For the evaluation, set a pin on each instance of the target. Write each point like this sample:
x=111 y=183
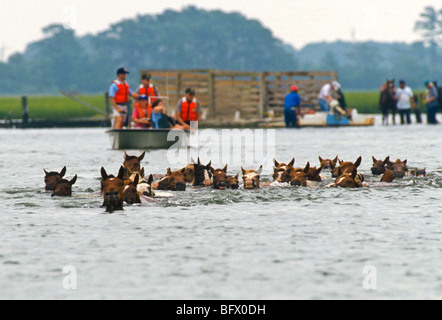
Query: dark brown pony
x=112 y=189
x=387 y=101
x=130 y=193
x=378 y=167
x=53 y=178
x=398 y=167
x=346 y=167
x=64 y=187
x=132 y=164
x=348 y=180
x=173 y=180
x=202 y=174
x=232 y=182
x=297 y=176
x=279 y=170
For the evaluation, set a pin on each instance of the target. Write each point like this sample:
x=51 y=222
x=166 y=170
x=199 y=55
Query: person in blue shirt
x=292 y=106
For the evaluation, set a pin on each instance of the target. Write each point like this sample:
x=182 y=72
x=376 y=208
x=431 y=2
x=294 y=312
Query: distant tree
x=430 y=26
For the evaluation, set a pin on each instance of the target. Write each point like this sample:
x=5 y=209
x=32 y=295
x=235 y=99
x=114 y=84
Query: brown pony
x=348 y=180
x=387 y=101
x=130 y=193
x=202 y=174
x=346 y=167
x=112 y=189
x=64 y=187
x=132 y=164
x=53 y=178
x=220 y=178
x=173 y=180
x=232 y=182
x=313 y=174
x=388 y=176
x=297 y=176
x=378 y=167
x=399 y=168
x=280 y=168
x=251 y=178
x=327 y=163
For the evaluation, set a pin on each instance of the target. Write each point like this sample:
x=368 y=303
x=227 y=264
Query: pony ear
x=387 y=160
x=374 y=159
x=199 y=162
x=46 y=173
x=121 y=172
x=358 y=162
x=103 y=173
x=243 y=171
x=125 y=155
x=318 y=171
x=136 y=180
x=335 y=160
x=291 y=163
x=307 y=167
x=150 y=180
x=141 y=157
x=192 y=161
x=405 y=161
x=259 y=170
x=63 y=172
x=142 y=172
x=276 y=163
x=73 y=180
x=320 y=159
x=169 y=171
x=354 y=173
x=225 y=168
x=237 y=175
x=209 y=164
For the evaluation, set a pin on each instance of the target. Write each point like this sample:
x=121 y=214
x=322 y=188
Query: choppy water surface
x=272 y=243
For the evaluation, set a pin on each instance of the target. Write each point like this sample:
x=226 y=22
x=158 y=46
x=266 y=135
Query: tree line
x=198 y=39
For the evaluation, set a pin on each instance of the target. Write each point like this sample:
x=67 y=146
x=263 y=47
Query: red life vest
x=122 y=95
x=141 y=112
x=150 y=92
x=189 y=110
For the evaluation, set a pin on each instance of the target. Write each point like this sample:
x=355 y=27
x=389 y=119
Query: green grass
x=51 y=107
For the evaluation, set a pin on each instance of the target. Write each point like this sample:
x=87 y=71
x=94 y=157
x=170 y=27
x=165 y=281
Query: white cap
x=336 y=84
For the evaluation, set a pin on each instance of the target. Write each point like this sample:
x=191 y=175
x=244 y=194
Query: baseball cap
x=402 y=81
x=122 y=70
x=143 y=97
x=336 y=84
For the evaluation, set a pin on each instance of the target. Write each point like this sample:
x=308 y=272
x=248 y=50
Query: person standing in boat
x=292 y=107
x=188 y=109
x=119 y=94
x=147 y=88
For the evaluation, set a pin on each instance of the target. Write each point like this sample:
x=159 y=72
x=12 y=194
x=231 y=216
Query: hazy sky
x=297 y=22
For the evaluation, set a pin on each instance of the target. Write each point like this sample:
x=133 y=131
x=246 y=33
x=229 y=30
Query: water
x=272 y=243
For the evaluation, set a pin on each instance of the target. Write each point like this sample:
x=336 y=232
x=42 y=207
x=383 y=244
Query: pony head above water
x=378 y=167
x=130 y=193
x=232 y=182
x=203 y=174
x=251 y=178
x=328 y=164
x=112 y=189
x=132 y=164
x=280 y=169
x=64 y=187
x=53 y=178
x=220 y=178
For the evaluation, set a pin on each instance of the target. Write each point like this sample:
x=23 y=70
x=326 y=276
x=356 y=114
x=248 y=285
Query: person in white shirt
x=326 y=94
x=405 y=101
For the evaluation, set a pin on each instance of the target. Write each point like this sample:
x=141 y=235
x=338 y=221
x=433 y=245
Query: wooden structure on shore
x=235 y=95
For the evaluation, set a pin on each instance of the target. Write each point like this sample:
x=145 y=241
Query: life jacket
x=189 y=110
x=150 y=92
x=122 y=95
x=141 y=112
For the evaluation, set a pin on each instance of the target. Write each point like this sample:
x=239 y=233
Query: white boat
x=326 y=119
x=147 y=138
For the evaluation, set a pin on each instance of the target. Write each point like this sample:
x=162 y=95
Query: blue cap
x=122 y=70
x=143 y=97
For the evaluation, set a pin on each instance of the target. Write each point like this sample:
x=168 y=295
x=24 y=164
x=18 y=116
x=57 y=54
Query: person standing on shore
x=405 y=101
x=292 y=107
x=119 y=94
x=431 y=102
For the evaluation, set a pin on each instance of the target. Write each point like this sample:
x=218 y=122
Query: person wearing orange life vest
x=188 y=109
x=147 y=88
x=142 y=113
x=119 y=95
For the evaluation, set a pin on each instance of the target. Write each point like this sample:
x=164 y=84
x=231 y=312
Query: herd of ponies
x=130 y=185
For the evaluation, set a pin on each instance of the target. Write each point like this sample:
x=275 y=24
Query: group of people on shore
x=331 y=99
x=149 y=110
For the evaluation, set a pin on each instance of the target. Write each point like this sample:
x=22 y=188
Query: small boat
x=147 y=138
x=326 y=119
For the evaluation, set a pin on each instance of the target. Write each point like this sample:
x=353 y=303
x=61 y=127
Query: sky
x=296 y=22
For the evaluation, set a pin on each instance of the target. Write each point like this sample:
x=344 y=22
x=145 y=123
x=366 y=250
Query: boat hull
x=146 y=138
x=324 y=119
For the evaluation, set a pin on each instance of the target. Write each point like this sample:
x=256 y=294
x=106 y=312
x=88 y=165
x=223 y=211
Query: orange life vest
x=189 y=110
x=141 y=112
x=122 y=95
x=150 y=92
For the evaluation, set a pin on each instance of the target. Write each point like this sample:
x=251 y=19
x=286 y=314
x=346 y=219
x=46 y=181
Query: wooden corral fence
x=223 y=93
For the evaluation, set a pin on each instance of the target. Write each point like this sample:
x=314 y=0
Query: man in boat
x=188 y=109
x=292 y=107
x=147 y=88
x=119 y=94
x=326 y=94
x=142 y=113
